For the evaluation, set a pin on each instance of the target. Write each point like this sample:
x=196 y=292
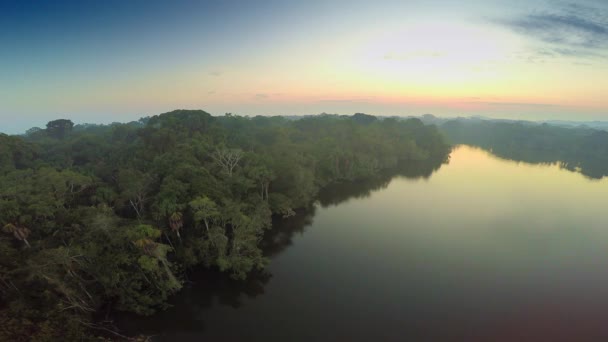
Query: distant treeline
x=101 y=217
x=577 y=149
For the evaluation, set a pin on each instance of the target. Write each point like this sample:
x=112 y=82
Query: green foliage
x=115 y=214
x=578 y=149
x=59 y=129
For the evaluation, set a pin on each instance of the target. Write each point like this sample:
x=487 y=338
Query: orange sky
x=118 y=62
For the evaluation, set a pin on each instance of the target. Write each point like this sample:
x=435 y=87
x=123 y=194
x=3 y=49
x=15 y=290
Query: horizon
x=419 y=116
x=311 y=170
x=118 y=61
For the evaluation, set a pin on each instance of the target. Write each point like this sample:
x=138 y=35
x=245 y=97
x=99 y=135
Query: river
x=480 y=248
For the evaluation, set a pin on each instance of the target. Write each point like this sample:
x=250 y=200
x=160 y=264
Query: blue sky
x=104 y=61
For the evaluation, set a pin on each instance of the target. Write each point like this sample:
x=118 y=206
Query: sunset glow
x=123 y=60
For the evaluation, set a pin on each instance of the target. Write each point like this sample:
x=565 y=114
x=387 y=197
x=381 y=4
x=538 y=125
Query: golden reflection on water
x=484 y=246
x=481 y=212
x=482 y=189
x=482 y=218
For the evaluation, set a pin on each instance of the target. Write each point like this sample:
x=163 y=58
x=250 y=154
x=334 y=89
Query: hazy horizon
x=134 y=117
x=187 y=210
x=118 y=61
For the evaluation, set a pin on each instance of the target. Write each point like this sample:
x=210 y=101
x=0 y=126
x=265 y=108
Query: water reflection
x=280 y=236
x=485 y=249
x=589 y=165
x=204 y=290
x=209 y=290
x=589 y=159
x=277 y=239
x=341 y=192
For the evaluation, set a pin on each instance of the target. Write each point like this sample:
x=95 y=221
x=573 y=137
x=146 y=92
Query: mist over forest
x=100 y=217
x=320 y=170
x=110 y=218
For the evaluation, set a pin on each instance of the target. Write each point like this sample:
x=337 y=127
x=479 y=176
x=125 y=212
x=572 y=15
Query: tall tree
x=59 y=128
x=227 y=158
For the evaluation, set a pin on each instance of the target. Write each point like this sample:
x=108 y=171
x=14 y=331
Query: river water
x=479 y=248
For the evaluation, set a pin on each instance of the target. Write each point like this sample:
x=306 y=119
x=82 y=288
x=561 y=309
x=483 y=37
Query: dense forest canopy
x=100 y=217
x=580 y=149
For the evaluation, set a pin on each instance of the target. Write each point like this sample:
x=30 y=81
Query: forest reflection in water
x=579 y=149
x=208 y=288
x=483 y=248
x=588 y=165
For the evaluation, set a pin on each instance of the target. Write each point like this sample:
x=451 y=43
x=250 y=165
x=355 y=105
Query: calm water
x=480 y=249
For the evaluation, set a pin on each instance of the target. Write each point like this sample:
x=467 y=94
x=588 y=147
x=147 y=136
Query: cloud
x=568 y=52
x=360 y=99
x=339 y=101
x=569 y=30
x=215 y=73
x=512 y=104
x=261 y=96
x=560 y=29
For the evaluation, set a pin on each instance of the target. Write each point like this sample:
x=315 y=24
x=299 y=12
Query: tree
x=364 y=119
x=205 y=210
x=59 y=129
x=155 y=255
x=227 y=159
x=33 y=131
x=20 y=233
x=244 y=254
x=90 y=194
x=134 y=186
x=262 y=176
x=176 y=223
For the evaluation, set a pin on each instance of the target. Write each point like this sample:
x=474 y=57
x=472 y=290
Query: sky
x=119 y=60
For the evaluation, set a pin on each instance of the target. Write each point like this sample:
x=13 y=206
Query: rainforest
x=103 y=218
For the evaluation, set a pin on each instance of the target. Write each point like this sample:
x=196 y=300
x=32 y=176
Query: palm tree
x=20 y=233
x=147 y=245
x=176 y=223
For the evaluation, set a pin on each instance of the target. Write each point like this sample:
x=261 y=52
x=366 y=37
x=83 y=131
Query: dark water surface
x=480 y=249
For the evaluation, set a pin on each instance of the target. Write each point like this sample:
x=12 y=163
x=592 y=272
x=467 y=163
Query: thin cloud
x=559 y=29
x=512 y=104
x=568 y=52
x=339 y=101
x=347 y=100
x=570 y=30
x=215 y=73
